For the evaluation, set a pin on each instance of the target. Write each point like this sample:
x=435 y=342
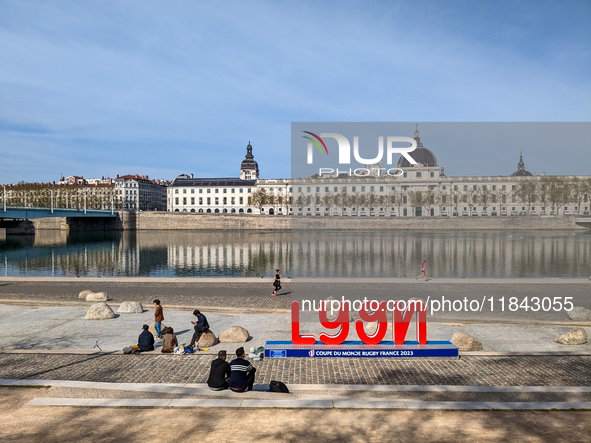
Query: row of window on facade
x=216 y=191
x=393 y=188
x=216 y=200
x=217 y=211
x=419 y=210
x=209 y=200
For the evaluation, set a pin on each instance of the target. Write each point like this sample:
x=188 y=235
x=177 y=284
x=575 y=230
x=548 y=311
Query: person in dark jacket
x=242 y=373
x=201 y=326
x=219 y=373
x=146 y=340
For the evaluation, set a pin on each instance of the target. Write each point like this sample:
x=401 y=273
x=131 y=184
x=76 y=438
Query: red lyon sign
x=400 y=324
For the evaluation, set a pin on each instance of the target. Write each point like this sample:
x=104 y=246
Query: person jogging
x=423 y=270
x=277 y=281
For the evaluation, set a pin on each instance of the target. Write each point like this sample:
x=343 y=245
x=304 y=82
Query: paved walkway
x=469 y=370
x=22 y=423
x=306 y=403
x=255 y=294
x=195 y=395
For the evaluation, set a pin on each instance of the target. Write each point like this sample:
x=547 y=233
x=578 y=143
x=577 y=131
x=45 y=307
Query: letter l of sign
x=296 y=339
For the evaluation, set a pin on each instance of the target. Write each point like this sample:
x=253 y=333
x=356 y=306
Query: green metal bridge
x=28 y=213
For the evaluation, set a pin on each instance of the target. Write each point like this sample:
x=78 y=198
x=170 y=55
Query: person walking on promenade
x=423 y=270
x=158 y=318
x=277 y=281
x=201 y=326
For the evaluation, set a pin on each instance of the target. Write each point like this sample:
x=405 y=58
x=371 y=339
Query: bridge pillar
x=77 y=224
x=128 y=220
x=17 y=227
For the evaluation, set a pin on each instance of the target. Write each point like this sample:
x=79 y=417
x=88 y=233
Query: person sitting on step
x=169 y=341
x=219 y=373
x=242 y=373
x=145 y=341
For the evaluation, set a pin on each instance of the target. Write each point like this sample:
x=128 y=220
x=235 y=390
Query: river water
x=470 y=254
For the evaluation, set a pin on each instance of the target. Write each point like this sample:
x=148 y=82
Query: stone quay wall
x=76 y=224
x=437 y=223
x=197 y=221
x=194 y=221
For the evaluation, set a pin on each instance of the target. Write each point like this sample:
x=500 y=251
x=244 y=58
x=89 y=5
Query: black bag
x=278 y=386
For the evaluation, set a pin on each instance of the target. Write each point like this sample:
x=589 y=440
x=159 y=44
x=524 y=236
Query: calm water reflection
x=312 y=254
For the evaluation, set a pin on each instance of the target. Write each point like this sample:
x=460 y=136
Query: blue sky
x=161 y=88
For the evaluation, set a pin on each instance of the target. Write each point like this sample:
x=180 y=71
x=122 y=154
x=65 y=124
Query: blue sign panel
x=357 y=349
x=282 y=353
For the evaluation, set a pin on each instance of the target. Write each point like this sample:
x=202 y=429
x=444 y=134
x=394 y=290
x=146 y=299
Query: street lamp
x=4 y=198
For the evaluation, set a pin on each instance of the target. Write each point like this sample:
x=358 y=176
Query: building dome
x=421 y=155
x=249 y=162
x=521 y=172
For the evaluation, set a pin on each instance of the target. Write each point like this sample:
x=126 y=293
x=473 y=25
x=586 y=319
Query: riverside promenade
x=253 y=294
x=521 y=367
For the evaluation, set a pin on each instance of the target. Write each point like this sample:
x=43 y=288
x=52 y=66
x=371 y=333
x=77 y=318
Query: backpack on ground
x=278 y=386
x=180 y=350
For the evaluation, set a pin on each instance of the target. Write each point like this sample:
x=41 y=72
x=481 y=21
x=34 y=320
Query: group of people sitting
x=146 y=339
x=238 y=375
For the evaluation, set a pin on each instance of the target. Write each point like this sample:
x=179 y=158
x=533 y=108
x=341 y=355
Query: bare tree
x=429 y=199
x=258 y=199
x=328 y=200
x=528 y=191
x=416 y=199
x=485 y=196
x=579 y=188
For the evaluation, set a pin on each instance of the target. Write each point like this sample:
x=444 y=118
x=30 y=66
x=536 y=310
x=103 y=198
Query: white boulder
x=130 y=307
x=97 y=296
x=99 y=311
x=577 y=336
x=234 y=334
x=84 y=293
x=579 y=313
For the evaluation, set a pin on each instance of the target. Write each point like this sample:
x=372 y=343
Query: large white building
x=421 y=190
x=229 y=195
x=138 y=192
